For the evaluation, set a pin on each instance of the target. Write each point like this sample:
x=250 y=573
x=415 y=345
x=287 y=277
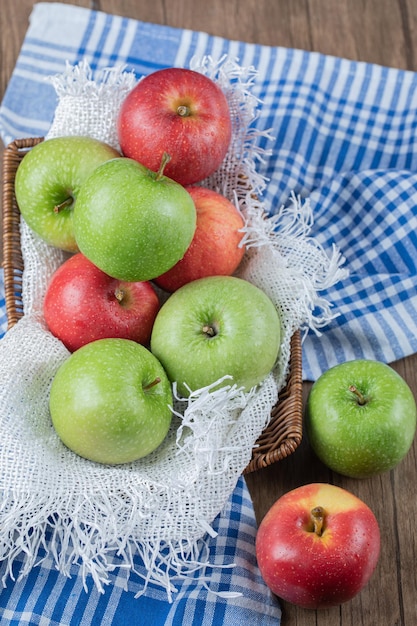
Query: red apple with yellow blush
x=318 y=546
x=181 y=112
x=216 y=248
x=83 y=304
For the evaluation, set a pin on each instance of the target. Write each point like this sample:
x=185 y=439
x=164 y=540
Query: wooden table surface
x=378 y=31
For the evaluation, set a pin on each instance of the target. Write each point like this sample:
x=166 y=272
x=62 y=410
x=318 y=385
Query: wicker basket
x=284 y=431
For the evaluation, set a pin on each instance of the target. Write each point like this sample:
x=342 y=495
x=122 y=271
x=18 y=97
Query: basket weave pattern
x=284 y=432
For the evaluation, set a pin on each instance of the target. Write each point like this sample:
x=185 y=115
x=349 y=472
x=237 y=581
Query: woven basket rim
x=284 y=431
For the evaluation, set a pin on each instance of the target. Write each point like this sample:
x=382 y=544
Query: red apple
x=181 y=112
x=215 y=249
x=318 y=546
x=83 y=304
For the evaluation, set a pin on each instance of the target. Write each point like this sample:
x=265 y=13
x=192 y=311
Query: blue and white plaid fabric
x=45 y=597
x=345 y=135
x=3 y=316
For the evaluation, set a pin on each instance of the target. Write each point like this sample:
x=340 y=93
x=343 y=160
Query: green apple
x=110 y=401
x=214 y=327
x=133 y=223
x=48 y=180
x=361 y=418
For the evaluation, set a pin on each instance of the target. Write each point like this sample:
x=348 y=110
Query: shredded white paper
x=162 y=506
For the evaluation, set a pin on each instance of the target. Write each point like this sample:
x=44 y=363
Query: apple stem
x=317 y=517
x=360 y=397
x=152 y=384
x=183 y=110
x=62 y=205
x=119 y=294
x=164 y=161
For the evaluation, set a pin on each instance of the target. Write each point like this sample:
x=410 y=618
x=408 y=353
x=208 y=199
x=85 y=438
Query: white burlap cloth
x=163 y=505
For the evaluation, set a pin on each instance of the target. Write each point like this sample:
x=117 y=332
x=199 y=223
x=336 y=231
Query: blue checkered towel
x=3 y=316
x=233 y=592
x=345 y=137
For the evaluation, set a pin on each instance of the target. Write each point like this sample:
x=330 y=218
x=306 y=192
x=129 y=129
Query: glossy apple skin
x=131 y=222
x=110 y=402
x=50 y=173
x=361 y=440
x=150 y=123
x=214 y=327
x=215 y=249
x=83 y=304
x=311 y=570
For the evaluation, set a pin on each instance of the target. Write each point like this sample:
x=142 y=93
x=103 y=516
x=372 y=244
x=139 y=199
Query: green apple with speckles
x=132 y=223
x=48 y=180
x=361 y=418
x=110 y=401
x=215 y=327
